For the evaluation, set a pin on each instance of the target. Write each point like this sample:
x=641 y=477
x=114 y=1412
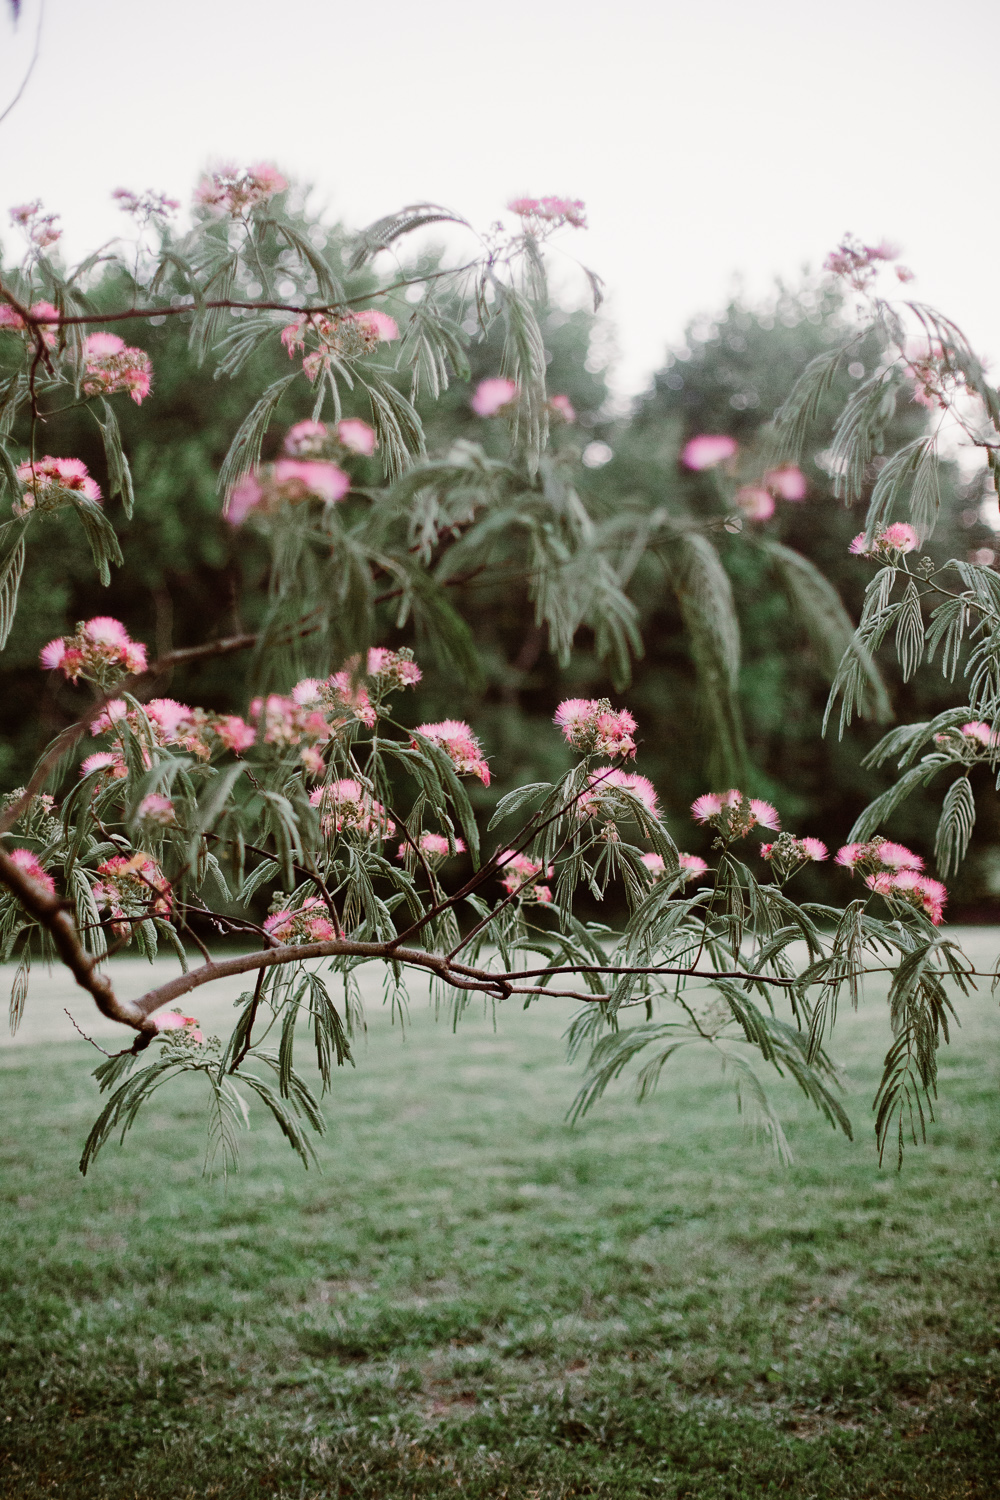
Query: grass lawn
x=472 y=1298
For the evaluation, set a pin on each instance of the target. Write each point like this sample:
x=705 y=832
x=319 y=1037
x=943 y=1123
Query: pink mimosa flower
x=706 y=450
x=51 y=656
x=815 y=848
x=157 y=810
x=765 y=814
x=377 y=324
x=461 y=746
x=171 y=1021
x=302 y=478
x=305 y=439
x=977 y=730
x=104 y=760
x=562 y=406
x=691 y=866
x=235 y=733
x=899 y=537
x=356 y=436
x=104 y=631
x=898 y=857
x=788 y=482
x=30 y=865
x=244 y=496
x=757 y=504
x=491 y=396
x=593 y=726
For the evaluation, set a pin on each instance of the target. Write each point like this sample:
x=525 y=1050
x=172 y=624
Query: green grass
x=472 y=1298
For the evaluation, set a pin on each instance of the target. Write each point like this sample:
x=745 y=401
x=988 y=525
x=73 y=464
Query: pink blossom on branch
x=157 y=811
x=756 y=503
x=305 y=439
x=899 y=537
x=562 y=407
x=518 y=877
x=49 y=483
x=172 y=1020
x=876 y=856
x=493 y=396
x=707 y=450
x=433 y=846
x=788 y=482
x=733 y=813
x=348 y=807
x=29 y=864
x=11 y=319
x=236 y=190
x=913 y=889
x=308 y=923
x=357 y=436
x=110 y=366
x=461 y=746
x=593 y=726
x=603 y=784
x=690 y=866
x=99 y=647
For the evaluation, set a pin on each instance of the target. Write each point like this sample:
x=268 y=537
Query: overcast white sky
x=708 y=137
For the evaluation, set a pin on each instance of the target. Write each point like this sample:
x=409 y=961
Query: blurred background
x=721 y=155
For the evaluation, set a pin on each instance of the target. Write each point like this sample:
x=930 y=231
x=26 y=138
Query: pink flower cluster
x=308 y=923
x=859 y=264
x=970 y=737
x=40 y=228
x=110 y=366
x=51 y=482
x=546 y=214
x=131 y=887
x=877 y=855
x=100 y=648
x=893 y=871
x=145 y=206
x=289 y=480
x=31 y=865
x=689 y=865
x=392 y=669
x=899 y=537
x=520 y=877
x=562 y=408
x=707 y=450
x=11 y=319
x=315 y=440
x=347 y=807
x=734 y=813
x=433 y=846
x=600 y=801
x=313 y=715
x=172 y=1020
x=756 y=501
x=787 y=854
x=157 y=811
x=919 y=891
x=494 y=396
x=167 y=722
x=461 y=746
x=236 y=190
x=593 y=726
x=346 y=336
x=935 y=377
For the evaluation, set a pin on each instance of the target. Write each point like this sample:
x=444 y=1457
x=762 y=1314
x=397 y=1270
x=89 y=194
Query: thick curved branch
x=55 y=916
